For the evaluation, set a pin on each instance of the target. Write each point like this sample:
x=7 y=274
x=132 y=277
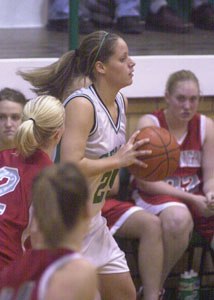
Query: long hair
x=59 y=196
x=56 y=78
x=42 y=117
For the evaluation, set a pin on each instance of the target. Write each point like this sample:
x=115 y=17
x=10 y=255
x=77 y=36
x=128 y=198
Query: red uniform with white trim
x=117 y=212
x=16 y=175
x=28 y=277
x=187 y=177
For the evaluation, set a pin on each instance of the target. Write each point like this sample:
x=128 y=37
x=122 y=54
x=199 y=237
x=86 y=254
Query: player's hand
x=200 y=203
x=210 y=200
x=128 y=154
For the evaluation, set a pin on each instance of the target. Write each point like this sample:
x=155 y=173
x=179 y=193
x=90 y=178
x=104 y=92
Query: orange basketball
x=165 y=156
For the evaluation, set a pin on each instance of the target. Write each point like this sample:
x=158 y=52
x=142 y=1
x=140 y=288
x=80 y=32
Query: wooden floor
x=39 y=42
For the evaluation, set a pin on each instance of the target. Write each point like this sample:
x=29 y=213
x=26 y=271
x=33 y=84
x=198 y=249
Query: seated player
x=55 y=270
x=11 y=107
x=191 y=187
x=127 y=220
x=35 y=139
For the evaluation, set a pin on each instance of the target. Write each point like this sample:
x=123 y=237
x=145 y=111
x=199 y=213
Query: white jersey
x=104 y=140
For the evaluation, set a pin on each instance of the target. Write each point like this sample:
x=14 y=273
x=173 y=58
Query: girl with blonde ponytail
x=35 y=140
x=42 y=118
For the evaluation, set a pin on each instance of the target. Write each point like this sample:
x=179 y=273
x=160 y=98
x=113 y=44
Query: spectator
x=94 y=14
x=162 y=18
x=35 y=139
x=58 y=16
x=127 y=14
x=11 y=107
x=191 y=187
x=55 y=270
x=202 y=14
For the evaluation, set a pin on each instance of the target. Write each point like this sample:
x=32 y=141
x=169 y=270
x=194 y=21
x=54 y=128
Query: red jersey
x=28 y=277
x=16 y=175
x=188 y=176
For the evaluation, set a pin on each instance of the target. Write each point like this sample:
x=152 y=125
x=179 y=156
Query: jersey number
x=102 y=190
x=11 y=178
x=186 y=183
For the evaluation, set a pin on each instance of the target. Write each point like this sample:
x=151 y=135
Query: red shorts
x=156 y=204
x=117 y=212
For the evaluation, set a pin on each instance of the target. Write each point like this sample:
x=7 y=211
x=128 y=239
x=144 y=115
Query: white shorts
x=118 y=224
x=102 y=250
x=151 y=208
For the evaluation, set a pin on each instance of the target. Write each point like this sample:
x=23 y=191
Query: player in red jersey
x=11 y=106
x=191 y=187
x=61 y=215
x=127 y=220
x=35 y=139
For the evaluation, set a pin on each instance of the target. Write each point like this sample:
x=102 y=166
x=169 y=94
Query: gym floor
x=39 y=42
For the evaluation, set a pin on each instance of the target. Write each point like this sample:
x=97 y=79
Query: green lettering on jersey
x=105 y=186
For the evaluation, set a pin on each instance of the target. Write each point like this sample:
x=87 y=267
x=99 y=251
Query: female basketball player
x=55 y=270
x=11 y=106
x=35 y=139
x=95 y=139
x=191 y=187
x=129 y=221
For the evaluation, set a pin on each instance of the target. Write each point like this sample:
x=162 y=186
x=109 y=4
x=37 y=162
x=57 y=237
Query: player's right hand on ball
x=129 y=153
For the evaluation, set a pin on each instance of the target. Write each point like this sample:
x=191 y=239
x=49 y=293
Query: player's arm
x=160 y=187
x=79 y=122
x=163 y=188
x=145 y=121
x=208 y=161
x=75 y=281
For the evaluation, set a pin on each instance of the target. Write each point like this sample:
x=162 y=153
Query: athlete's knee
x=130 y=293
x=125 y=292
x=149 y=223
x=178 y=223
x=154 y=226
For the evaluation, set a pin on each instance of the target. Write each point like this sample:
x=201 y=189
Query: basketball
x=165 y=156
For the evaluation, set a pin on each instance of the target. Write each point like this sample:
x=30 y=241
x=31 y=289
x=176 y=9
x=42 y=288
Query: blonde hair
x=59 y=198
x=182 y=75
x=42 y=117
